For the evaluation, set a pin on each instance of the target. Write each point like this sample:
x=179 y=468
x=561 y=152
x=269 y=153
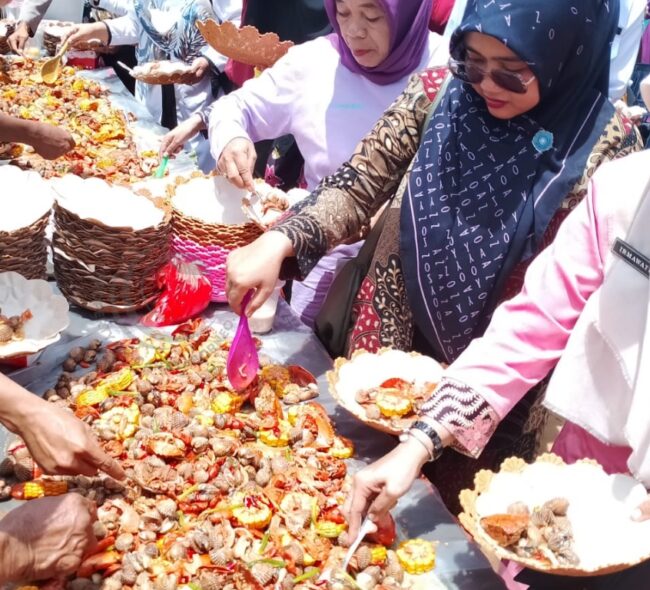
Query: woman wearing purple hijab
x=327 y=93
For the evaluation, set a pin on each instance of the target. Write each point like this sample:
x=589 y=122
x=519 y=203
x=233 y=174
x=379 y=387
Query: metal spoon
x=51 y=69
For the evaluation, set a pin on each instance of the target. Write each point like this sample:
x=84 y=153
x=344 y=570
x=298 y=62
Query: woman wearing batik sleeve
x=583 y=314
x=473 y=197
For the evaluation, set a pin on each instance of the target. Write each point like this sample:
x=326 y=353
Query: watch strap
x=432 y=435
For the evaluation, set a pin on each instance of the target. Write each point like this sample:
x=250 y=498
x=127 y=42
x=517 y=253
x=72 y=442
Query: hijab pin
x=543 y=141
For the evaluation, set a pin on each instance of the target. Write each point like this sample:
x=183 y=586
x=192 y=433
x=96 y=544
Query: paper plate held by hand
x=245 y=44
x=570 y=520
x=384 y=389
x=44 y=315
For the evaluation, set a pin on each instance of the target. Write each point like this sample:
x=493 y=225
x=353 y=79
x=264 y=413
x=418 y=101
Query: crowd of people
x=501 y=187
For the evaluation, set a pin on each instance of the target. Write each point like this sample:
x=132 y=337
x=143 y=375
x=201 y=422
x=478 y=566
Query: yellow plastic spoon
x=51 y=69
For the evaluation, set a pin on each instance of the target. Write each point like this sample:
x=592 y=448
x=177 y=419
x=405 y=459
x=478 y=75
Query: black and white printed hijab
x=482 y=190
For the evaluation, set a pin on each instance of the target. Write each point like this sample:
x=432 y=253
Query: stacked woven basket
x=208 y=224
x=6 y=29
x=53 y=33
x=109 y=245
x=24 y=215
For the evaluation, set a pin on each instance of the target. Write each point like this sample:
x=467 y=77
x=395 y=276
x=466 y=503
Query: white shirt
x=626 y=46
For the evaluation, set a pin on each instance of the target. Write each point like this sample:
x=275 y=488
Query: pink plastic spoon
x=243 y=363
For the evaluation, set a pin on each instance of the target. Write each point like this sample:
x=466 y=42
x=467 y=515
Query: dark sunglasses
x=473 y=74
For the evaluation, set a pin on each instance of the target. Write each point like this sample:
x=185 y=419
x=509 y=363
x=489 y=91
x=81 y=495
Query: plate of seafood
x=164 y=72
x=384 y=389
x=266 y=205
x=32 y=316
x=570 y=520
x=224 y=489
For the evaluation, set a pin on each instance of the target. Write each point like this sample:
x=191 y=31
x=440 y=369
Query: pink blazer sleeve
x=528 y=333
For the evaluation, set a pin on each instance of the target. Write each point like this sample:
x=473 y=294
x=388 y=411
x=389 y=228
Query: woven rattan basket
x=23 y=221
x=204 y=241
x=25 y=250
x=107 y=268
x=6 y=29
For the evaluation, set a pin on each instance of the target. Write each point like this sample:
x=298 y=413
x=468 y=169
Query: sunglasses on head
x=474 y=74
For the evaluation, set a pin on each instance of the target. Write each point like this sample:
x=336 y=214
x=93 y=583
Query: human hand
x=18 y=39
x=378 y=487
x=86 y=33
x=173 y=142
x=256 y=266
x=46 y=538
x=61 y=443
x=200 y=67
x=642 y=511
x=50 y=141
x=237 y=161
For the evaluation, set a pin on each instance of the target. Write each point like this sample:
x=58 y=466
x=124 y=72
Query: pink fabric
x=211 y=259
x=440 y=13
x=528 y=333
x=573 y=443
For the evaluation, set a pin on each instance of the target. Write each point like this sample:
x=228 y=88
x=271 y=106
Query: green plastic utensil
x=160 y=172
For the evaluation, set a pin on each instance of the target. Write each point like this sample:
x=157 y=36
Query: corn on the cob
x=91 y=397
x=342 y=448
x=31 y=490
x=224 y=403
x=273 y=438
x=416 y=556
x=251 y=511
x=378 y=555
x=393 y=404
x=329 y=529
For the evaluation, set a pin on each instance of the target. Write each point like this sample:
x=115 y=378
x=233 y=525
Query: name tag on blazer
x=632 y=256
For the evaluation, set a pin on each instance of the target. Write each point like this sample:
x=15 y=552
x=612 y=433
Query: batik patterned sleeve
x=343 y=203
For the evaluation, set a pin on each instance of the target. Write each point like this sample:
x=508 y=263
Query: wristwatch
x=420 y=429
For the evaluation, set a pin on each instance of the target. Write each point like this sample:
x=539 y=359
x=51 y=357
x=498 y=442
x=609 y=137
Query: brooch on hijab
x=543 y=141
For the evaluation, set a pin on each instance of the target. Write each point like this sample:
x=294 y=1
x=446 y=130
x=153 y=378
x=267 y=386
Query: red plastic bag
x=186 y=294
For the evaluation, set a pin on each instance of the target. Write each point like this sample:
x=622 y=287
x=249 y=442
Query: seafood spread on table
x=104 y=145
x=224 y=490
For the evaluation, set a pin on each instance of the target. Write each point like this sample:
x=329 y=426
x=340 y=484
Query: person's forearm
x=13 y=129
x=32 y=13
x=15 y=403
x=5 y=566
